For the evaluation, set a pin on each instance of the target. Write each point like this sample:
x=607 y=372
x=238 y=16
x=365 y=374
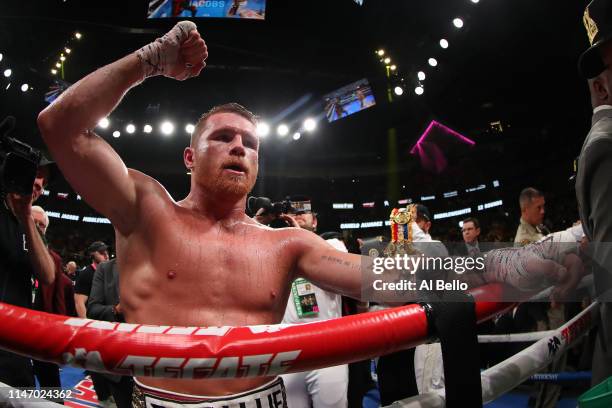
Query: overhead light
x=310 y=124
x=54 y=71
x=68 y=50
x=62 y=58
x=167 y=128
x=116 y=134
x=296 y=136
x=8 y=72
x=282 y=130
x=444 y=43
x=421 y=75
x=24 y=87
x=147 y=128
x=103 y=123
x=393 y=67
x=1 y=56
x=130 y=128
x=433 y=62
x=78 y=35
x=419 y=90
x=399 y=91
x=58 y=65
x=380 y=52
x=189 y=128
x=387 y=60
x=263 y=129
x=475 y=1
x=457 y=22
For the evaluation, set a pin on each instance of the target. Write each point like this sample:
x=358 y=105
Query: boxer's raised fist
x=179 y=54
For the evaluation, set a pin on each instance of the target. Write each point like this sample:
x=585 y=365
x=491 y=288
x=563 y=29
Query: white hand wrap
x=160 y=56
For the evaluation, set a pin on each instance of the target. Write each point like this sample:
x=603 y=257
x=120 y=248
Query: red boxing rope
x=220 y=352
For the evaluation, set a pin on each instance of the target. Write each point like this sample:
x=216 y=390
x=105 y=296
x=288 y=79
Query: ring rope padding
x=221 y=352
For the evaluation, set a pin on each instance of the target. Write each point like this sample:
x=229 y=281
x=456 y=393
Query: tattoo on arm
x=338 y=261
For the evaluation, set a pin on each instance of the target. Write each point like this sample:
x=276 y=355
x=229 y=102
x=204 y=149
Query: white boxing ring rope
x=514 y=337
x=511 y=372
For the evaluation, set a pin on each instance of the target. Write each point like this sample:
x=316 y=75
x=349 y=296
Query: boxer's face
x=224 y=157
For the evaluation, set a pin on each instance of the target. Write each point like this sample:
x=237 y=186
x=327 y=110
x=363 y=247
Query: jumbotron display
x=246 y=9
x=349 y=99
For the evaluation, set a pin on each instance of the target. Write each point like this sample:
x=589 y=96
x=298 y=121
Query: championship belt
x=401 y=231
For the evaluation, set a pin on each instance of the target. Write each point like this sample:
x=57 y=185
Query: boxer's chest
x=240 y=266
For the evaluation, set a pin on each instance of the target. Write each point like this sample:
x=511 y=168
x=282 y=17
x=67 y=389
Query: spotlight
x=68 y=50
x=167 y=128
x=116 y=134
x=393 y=67
x=8 y=72
x=24 y=87
x=458 y=22
x=58 y=65
x=103 y=123
x=282 y=130
x=421 y=75
x=310 y=124
x=62 y=58
x=263 y=129
x=147 y=128
x=189 y=128
x=419 y=90
x=78 y=35
x=475 y=1
x=296 y=136
x=433 y=62
x=130 y=128
x=1 y=56
x=380 y=52
x=54 y=71
x=387 y=60
x=444 y=43
x=399 y=91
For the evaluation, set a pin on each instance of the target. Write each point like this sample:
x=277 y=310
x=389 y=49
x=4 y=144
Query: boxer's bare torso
x=180 y=268
x=200 y=261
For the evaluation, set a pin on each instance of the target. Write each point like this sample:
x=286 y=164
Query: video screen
x=247 y=9
x=349 y=99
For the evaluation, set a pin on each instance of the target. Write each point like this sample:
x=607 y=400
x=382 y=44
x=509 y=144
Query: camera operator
x=23 y=254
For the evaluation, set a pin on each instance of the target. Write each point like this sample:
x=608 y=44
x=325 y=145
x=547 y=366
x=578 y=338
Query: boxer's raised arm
x=90 y=164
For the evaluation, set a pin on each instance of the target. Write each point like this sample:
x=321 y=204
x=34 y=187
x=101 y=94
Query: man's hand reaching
x=179 y=54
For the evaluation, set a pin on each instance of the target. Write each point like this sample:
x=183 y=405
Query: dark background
x=513 y=62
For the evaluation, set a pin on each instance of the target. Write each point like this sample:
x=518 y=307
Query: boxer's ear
x=188 y=157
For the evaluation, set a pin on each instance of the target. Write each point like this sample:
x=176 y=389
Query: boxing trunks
x=270 y=395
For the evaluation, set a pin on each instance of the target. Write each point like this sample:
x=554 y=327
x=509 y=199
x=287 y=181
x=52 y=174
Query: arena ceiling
x=512 y=62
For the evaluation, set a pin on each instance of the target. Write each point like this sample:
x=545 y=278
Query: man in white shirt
x=326 y=387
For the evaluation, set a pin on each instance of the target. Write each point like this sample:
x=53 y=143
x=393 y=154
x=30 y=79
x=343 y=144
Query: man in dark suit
x=593 y=187
x=104 y=304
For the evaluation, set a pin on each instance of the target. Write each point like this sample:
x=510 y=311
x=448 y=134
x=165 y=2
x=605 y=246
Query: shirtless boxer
x=199 y=261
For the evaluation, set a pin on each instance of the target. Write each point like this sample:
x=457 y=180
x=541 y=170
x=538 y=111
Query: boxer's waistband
x=270 y=395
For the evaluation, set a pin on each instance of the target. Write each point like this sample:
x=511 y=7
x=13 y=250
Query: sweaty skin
x=199 y=261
